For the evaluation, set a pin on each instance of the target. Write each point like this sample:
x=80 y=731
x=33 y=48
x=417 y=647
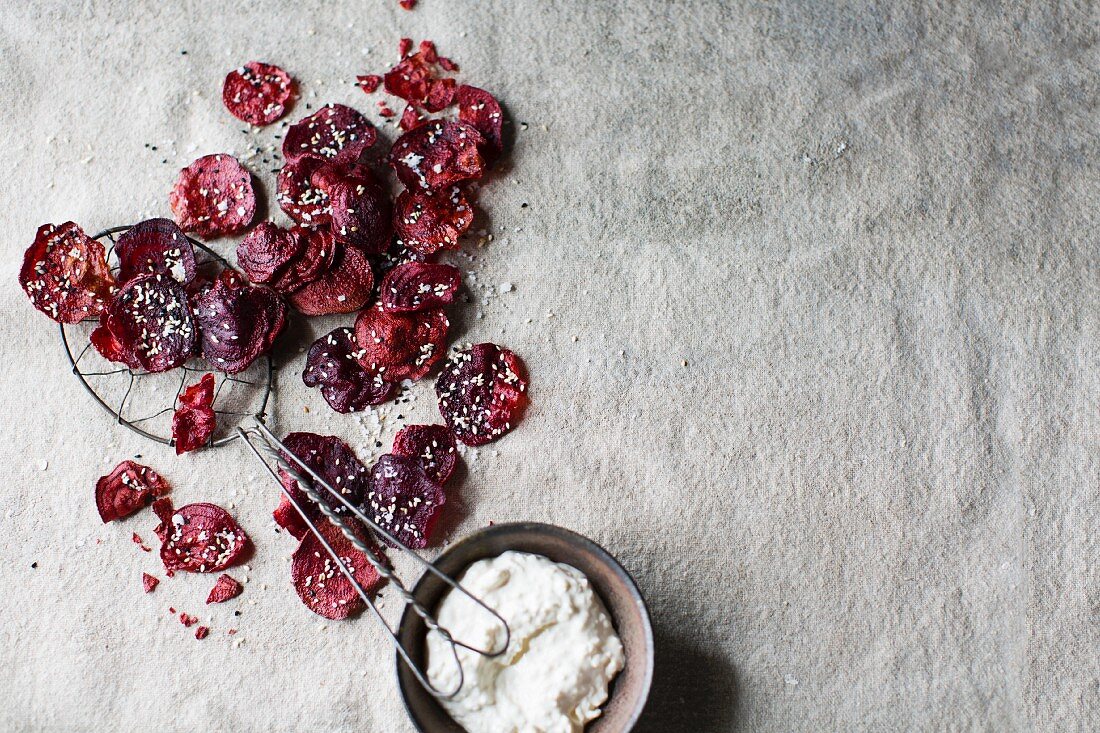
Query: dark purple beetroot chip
x=202 y=538
x=482 y=393
x=432 y=445
x=361 y=212
x=213 y=197
x=417 y=286
x=225 y=588
x=267 y=250
x=302 y=201
x=65 y=274
x=411 y=117
x=441 y=92
x=148 y=325
x=437 y=154
x=334 y=461
x=334 y=133
x=126 y=489
x=429 y=222
x=403 y=500
x=257 y=93
x=238 y=321
x=345 y=288
x=155 y=246
x=317 y=257
x=332 y=365
x=481 y=109
x=398 y=346
x=320 y=582
x=194 y=420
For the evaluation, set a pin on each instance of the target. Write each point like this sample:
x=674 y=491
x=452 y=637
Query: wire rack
x=144 y=402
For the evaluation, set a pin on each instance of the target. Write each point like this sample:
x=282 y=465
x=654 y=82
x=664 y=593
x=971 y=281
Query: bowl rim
x=407 y=614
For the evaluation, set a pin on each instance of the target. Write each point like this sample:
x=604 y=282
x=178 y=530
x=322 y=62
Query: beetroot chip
x=302 y=201
x=418 y=286
x=429 y=222
x=126 y=489
x=316 y=257
x=267 y=250
x=437 y=154
x=403 y=500
x=331 y=459
x=155 y=246
x=411 y=118
x=225 y=588
x=202 y=632
x=482 y=393
x=404 y=45
x=149 y=583
x=188 y=620
x=333 y=133
x=213 y=197
x=202 y=538
x=369 y=83
x=398 y=346
x=237 y=321
x=432 y=445
x=65 y=273
x=345 y=288
x=361 y=212
x=320 y=583
x=148 y=325
x=257 y=93
x=163 y=510
x=410 y=79
x=481 y=109
x=194 y=420
x=331 y=364
x=287 y=517
x=407 y=4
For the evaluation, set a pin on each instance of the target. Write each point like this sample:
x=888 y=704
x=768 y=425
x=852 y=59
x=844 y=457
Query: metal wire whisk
x=262 y=442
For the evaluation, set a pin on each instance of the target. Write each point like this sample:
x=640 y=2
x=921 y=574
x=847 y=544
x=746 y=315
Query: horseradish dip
x=562 y=655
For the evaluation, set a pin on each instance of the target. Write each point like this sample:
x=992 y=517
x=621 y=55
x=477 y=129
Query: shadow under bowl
x=612 y=583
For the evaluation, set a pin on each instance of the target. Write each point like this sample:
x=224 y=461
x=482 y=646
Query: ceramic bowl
x=614 y=585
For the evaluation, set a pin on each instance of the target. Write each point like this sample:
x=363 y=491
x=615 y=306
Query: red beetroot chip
x=287 y=517
x=429 y=222
x=238 y=322
x=482 y=110
x=332 y=365
x=148 y=325
x=202 y=632
x=403 y=500
x=404 y=46
x=257 y=93
x=65 y=273
x=163 y=510
x=267 y=250
x=202 y=538
x=437 y=154
x=482 y=393
x=194 y=420
x=399 y=346
x=369 y=83
x=361 y=212
x=155 y=246
x=225 y=588
x=334 y=461
x=432 y=445
x=126 y=489
x=317 y=256
x=302 y=201
x=407 y=4
x=411 y=117
x=333 y=133
x=149 y=583
x=345 y=288
x=188 y=620
x=213 y=197
x=318 y=579
x=418 y=286
x=410 y=79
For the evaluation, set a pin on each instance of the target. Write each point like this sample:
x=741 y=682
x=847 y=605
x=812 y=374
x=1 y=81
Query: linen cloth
x=809 y=297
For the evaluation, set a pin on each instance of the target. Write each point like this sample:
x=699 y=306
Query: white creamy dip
x=562 y=656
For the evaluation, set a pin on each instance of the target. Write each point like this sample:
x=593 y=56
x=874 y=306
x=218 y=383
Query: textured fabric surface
x=810 y=297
